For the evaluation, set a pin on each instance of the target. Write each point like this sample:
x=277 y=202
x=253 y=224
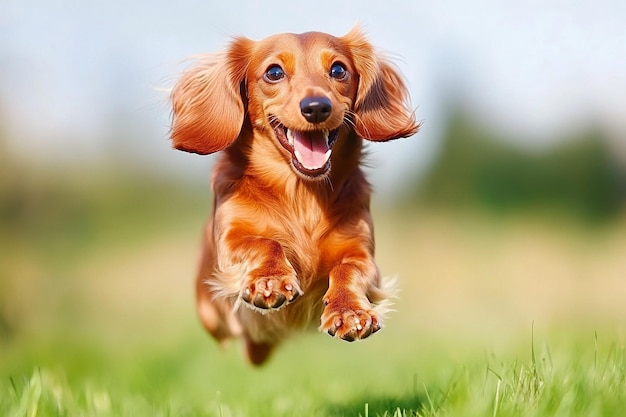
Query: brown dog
x=291 y=236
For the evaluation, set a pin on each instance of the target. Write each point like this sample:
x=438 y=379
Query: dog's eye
x=338 y=71
x=274 y=74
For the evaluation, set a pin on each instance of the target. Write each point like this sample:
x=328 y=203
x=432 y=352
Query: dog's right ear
x=207 y=106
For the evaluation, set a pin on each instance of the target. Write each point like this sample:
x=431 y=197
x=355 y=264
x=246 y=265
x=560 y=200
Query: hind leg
x=257 y=353
x=215 y=313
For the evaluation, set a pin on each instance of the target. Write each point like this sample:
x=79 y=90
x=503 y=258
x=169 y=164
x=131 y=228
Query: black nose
x=316 y=109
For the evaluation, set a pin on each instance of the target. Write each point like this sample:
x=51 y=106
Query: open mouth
x=310 y=150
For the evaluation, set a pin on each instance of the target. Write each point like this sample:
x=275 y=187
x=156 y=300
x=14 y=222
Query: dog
x=291 y=237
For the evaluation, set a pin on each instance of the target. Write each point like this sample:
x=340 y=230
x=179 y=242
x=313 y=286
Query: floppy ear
x=382 y=110
x=207 y=107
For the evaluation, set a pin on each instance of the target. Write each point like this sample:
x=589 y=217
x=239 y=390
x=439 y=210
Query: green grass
x=496 y=318
x=313 y=376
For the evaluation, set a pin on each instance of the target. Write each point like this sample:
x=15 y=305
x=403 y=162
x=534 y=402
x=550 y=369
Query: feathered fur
x=291 y=237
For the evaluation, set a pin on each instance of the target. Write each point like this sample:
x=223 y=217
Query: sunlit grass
x=496 y=317
x=317 y=377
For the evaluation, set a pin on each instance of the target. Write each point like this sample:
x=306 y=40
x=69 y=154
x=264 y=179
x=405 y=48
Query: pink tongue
x=311 y=148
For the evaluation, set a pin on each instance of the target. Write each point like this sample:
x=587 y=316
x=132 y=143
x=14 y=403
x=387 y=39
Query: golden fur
x=291 y=237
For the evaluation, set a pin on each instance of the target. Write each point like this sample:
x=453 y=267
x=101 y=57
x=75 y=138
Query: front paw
x=349 y=321
x=270 y=293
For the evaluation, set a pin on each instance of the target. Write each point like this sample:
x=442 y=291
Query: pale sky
x=74 y=73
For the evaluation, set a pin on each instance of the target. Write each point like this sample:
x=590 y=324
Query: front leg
x=273 y=282
x=258 y=266
x=349 y=304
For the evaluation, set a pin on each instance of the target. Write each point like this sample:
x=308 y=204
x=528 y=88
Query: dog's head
x=304 y=89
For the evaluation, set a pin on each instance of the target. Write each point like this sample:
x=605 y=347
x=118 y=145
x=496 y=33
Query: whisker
x=347 y=120
x=352 y=122
x=329 y=182
x=273 y=120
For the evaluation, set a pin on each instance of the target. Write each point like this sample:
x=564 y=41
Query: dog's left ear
x=382 y=110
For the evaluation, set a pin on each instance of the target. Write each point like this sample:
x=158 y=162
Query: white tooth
x=298 y=155
x=289 y=137
x=327 y=154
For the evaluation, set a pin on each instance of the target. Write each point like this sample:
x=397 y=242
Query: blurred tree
x=478 y=168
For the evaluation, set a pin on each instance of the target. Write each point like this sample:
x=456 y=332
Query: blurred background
x=506 y=209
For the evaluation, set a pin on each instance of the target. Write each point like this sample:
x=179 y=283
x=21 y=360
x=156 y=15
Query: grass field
x=496 y=317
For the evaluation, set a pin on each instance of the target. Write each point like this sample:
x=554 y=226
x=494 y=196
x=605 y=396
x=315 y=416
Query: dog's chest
x=303 y=232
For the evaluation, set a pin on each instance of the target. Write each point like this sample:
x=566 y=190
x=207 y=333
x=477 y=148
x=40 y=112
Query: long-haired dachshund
x=291 y=236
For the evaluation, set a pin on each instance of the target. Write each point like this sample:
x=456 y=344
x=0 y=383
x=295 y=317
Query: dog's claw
x=259 y=302
x=270 y=293
x=375 y=325
x=336 y=325
x=349 y=337
x=246 y=295
x=280 y=300
x=349 y=324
